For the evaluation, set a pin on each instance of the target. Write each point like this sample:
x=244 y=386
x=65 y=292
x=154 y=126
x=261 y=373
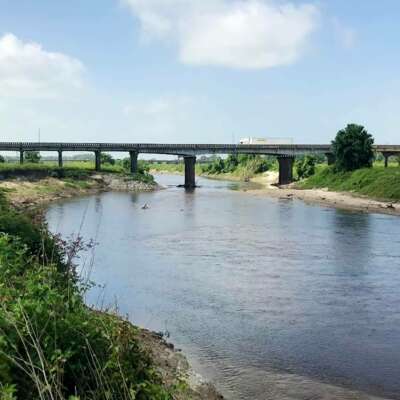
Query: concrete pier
x=21 y=157
x=285 y=169
x=97 y=155
x=134 y=161
x=60 y=159
x=190 y=172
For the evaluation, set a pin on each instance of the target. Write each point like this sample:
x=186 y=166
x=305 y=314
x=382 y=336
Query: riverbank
x=173 y=378
x=323 y=196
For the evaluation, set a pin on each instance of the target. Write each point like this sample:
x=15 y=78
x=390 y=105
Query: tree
x=353 y=149
x=32 y=157
x=2 y=159
x=107 y=159
x=305 y=167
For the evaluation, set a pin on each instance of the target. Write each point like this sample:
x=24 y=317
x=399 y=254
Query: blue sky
x=198 y=70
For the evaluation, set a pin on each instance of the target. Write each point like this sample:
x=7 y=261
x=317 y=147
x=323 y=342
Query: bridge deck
x=184 y=149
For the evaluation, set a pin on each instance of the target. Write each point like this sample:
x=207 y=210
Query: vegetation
x=353 y=149
x=305 y=167
x=107 y=159
x=32 y=157
x=378 y=182
x=2 y=159
x=243 y=166
x=52 y=346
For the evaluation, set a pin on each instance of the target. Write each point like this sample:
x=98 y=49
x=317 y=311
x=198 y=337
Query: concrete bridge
x=285 y=154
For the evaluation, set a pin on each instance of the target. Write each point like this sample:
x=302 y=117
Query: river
x=268 y=298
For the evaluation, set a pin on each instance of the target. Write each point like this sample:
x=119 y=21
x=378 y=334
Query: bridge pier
x=21 y=157
x=386 y=156
x=330 y=158
x=60 y=159
x=97 y=155
x=190 y=172
x=285 y=169
x=134 y=161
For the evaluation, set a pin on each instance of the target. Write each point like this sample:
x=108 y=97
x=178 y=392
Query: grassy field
x=377 y=182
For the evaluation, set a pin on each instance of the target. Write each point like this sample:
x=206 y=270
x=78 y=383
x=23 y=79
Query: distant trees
x=353 y=148
x=2 y=159
x=32 y=157
x=305 y=166
x=107 y=159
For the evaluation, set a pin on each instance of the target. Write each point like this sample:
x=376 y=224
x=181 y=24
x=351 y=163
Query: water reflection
x=262 y=294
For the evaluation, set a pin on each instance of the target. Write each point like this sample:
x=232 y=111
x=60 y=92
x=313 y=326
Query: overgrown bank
x=52 y=346
x=377 y=182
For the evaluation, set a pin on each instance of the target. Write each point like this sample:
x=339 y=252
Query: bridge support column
x=60 y=159
x=330 y=158
x=21 y=157
x=134 y=161
x=97 y=155
x=285 y=169
x=190 y=172
x=386 y=156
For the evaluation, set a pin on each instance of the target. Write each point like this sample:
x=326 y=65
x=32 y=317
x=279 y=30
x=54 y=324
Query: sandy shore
x=323 y=197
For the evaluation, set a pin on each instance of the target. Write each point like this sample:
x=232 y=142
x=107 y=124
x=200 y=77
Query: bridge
x=285 y=154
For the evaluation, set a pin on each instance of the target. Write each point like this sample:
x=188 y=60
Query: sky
x=198 y=71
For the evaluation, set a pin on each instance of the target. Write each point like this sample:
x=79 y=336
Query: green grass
x=166 y=167
x=377 y=182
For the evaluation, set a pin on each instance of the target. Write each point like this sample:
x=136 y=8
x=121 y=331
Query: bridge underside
x=285 y=153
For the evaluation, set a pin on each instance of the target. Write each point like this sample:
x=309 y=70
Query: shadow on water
x=269 y=298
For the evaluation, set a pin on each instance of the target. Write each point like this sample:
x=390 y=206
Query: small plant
x=353 y=148
x=305 y=167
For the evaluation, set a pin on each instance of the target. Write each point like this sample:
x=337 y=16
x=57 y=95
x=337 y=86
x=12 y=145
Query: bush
x=353 y=148
x=305 y=167
x=32 y=157
x=2 y=159
x=107 y=159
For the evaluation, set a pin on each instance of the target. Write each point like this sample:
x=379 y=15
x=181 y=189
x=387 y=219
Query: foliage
x=305 y=166
x=2 y=159
x=377 y=182
x=245 y=166
x=52 y=346
x=32 y=157
x=107 y=159
x=353 y=148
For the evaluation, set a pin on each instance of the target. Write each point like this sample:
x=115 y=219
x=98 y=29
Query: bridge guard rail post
x=285 y=169
x=97 y=155
x=134 y=161
x=60 y=159
x=190 y=172
x=21 y=157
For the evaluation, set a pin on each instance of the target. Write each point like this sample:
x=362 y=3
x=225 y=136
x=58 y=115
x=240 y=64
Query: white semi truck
x=277 y=141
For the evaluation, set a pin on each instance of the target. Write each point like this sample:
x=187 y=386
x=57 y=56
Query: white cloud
x=250 y=34
x=27 y=70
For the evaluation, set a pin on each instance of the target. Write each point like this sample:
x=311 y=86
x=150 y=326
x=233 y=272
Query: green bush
x=107 y=159
x=2 y=159
x=353 y=148
x=305 y=167
x=32 y=157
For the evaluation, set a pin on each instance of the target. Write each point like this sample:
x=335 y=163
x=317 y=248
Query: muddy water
x=268 y=298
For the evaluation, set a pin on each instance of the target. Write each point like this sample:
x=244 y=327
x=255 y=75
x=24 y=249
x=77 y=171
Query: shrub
x=32 y=157
x=305 y=167
x=2 y=159
x=353 y=148
x=107 y=159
